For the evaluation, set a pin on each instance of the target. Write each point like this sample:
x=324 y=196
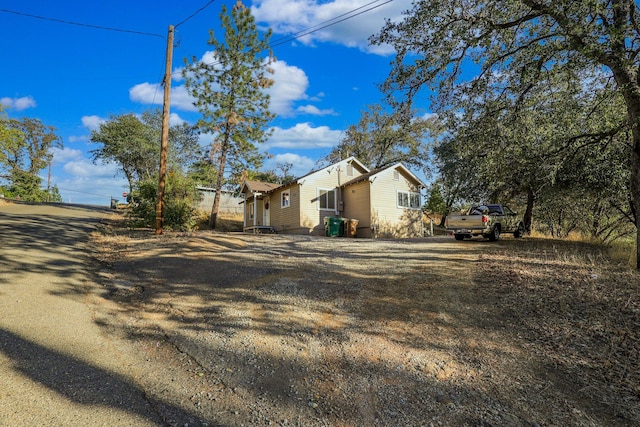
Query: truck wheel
x=495 y=234
x=459 y=236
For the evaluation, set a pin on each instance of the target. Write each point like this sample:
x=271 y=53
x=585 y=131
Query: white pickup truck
x=487 y=220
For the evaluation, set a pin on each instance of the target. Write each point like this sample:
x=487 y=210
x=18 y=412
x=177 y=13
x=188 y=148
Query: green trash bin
x=334 y=226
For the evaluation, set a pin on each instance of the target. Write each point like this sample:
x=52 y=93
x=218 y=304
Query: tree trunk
x=219 y=180
x=635 y=185
x=631 y=94
x=627 y=80
x=528 y=213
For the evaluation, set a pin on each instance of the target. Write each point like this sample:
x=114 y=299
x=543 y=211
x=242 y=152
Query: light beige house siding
x=357 y=205
x=373 y=201
x=387 y=217
x=330 y=178
x=285 y=219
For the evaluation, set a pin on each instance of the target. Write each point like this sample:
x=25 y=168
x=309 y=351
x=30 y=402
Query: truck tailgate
x=464 y=221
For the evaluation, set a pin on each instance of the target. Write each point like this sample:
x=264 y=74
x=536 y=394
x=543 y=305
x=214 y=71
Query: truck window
x=495 y=210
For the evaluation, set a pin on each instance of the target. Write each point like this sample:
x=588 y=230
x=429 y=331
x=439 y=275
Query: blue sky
x=73 y=77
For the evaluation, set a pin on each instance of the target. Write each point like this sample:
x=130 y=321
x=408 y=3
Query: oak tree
x=512 y=45
x=382 y=138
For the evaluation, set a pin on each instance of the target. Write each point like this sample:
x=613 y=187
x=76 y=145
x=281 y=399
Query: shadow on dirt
x=85 y=384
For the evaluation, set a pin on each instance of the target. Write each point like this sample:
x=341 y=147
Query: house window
x=326 y=199
x=349 y=169
x=251 y=210
x=286 y=199
x=409 y=200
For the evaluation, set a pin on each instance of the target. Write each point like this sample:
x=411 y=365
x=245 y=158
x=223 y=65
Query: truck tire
x=495 y=234
x=519 y=232
x=459 y=236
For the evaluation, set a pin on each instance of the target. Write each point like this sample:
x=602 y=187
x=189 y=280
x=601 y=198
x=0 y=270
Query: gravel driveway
x=310 y=331
x=230 y=329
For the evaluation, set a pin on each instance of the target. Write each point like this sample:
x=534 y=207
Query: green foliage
x=203 y=172
x=279 y=175
x=181 y=197
x=34 y=154
x=230 y=95
x=381 y=139
x=134 y=145
x=12 y=141
x=547 y=114
x=28 y=187
x=126 y=141
x=25 y=149
x=435 y=201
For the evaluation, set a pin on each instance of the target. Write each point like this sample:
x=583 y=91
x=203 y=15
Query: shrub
x=180 y=200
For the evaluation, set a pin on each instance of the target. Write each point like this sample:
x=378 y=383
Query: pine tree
x=229 y=93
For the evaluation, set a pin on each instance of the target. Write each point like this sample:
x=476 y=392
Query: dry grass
x=553 y=324
x=619 y=252
x=579 y=308
x=226 y=222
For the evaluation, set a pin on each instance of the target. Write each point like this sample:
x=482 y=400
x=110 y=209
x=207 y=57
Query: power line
x=322 y=25
x=328 y=23
x=80 y=24
x=81 y=192
x=194 y=13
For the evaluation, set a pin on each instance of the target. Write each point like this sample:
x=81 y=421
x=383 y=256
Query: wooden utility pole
x=49 y=184
x=164 y=141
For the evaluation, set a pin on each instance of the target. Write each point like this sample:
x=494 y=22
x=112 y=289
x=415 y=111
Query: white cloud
x=301 y=164
x=78 y=138
x=153 y=94
x=181 y=99
x=92 y=122
x=82 y=180
x=290 y=85
x=303 y=136
x=358 y=21
x=313 y=110
x=175 y=119
x=63 y=155
x=146 y=93
x=84 y=167
x=19 y=104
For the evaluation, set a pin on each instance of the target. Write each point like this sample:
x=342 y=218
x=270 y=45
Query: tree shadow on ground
x=310 y=328
x=84 y=384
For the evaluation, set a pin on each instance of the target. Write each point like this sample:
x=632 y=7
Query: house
x=385 y=202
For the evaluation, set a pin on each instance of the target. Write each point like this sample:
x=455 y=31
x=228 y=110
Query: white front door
x=265 y=212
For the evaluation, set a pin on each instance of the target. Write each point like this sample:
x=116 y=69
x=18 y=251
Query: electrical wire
x=81 y=192
x=328 y=23
x=322 y=25
x=99 y=27
x=194 y=14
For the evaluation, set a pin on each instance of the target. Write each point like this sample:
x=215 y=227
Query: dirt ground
x=252 y=330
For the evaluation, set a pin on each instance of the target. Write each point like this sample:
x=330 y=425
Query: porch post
x=255 y=208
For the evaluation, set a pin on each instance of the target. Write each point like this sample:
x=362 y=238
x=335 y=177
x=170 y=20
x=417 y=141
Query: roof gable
x=249 y=186
x=258 y=186
x=341 y=163
x=397 y=166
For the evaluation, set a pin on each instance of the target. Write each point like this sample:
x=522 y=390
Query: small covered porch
x=256 y=218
